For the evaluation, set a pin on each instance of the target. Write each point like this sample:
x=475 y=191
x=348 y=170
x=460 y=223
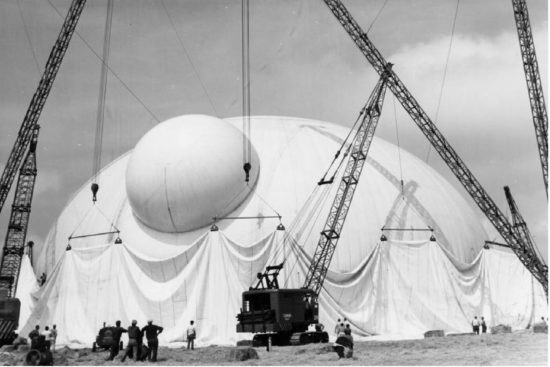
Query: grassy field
x=519 y=348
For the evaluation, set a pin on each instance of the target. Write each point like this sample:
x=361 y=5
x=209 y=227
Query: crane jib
x=38 y=100
x=337 y=215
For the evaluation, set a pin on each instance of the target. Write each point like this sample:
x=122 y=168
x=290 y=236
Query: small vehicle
x=104 y=339
x=40 y=353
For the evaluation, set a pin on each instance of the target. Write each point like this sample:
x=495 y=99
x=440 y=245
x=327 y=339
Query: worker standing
x=191 y=335
x=483 y=325
x=475 y=325
x=337 y=328
x=48 y=337
x=343 y=346
x=115 y=346
x=340 y=329
x=53 y=336
x=33 y=336
x=347 y=329
x=134 y=335
x=151 y=332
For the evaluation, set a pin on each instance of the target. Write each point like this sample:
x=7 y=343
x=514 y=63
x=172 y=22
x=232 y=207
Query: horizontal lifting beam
x=94 y=235
x=253 y=217
x=407 y=229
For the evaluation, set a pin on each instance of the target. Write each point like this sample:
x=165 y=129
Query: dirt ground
x=518 y=348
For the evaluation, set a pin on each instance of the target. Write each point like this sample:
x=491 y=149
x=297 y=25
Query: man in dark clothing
x=151 y=332
x=347 y=330
x=134 y=336
x=33 y=336
x=191 y=335
x=115 y=346
x=344 y=344
x=483 y=325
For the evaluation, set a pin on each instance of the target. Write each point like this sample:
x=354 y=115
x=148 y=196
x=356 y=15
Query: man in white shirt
x=191 y=335
x=475 y=325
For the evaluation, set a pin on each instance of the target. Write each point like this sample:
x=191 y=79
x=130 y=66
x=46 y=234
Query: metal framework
x=38 y=100
x=340 y=206
x=487 y=243
x=270 y=276
x=522 y=232
x=440 y=144
x=534 y=83
x=14 y=246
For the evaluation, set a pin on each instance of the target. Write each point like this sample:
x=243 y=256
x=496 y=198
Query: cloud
x=484 y=114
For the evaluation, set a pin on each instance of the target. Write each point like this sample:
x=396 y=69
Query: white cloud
x=484 y=113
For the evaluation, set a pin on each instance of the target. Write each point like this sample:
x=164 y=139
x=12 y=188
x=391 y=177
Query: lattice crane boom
x=534 y=83
x=340 y=206
x=522 y=231
x=23 y=158
x=440 y=144
x=14 y=245
x=38 y=100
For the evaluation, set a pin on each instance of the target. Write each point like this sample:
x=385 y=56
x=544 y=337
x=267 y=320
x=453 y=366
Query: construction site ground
x=518 y=348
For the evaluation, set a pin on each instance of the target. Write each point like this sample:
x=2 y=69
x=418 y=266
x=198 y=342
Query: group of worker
x=49 y=337
x=135 y=348
x=476 y=324
x=343 y=346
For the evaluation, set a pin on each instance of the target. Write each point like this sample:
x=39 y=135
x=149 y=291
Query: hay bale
x=327 y=348
x=242 y=354
x=461 y=334
x=8 y=348
x=61 y=360
x=20 y=341
x=501 y=329
x=7 y=359
x=541 y=327
x=244 y=343
x=23 y=348
x=434 y=334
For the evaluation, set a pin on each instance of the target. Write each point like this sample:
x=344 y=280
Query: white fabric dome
x=185 y=171
x=293 y=153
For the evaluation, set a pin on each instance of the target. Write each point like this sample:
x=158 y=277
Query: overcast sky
x=302 y=64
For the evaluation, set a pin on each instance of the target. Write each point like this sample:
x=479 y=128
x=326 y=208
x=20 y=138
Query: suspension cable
x=444 y=74
x=28 y=37
x=180 y=40
x=377 y=15
x=247 y=145
x=339 y=151
x=398 y=148
x=101 y=98
x=263 y=200
x=109 y=68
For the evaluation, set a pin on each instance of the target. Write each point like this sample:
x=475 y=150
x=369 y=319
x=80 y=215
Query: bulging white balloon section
x=187 y=170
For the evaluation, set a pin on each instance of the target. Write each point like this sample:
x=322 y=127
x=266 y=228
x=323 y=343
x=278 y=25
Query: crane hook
x=95 y=189
x=247 y=167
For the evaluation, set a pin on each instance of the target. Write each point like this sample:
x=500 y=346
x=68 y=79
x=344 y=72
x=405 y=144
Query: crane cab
x=282 y=315
x=277 y=310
